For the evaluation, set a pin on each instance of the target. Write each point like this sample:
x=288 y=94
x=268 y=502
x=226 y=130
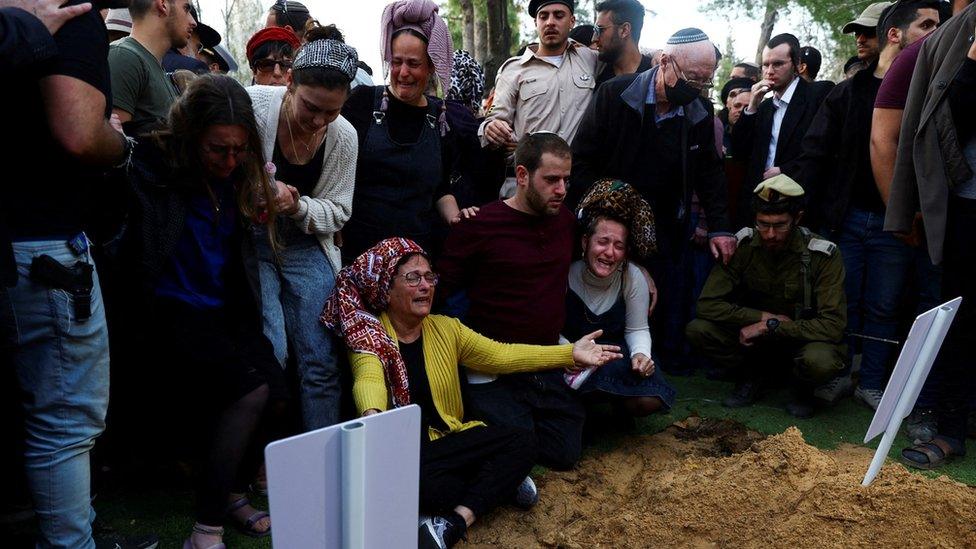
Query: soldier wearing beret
x=779 y=303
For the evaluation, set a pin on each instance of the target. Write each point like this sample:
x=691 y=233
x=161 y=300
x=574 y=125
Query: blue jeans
x=61 y=366
x=291 y=293
x=876 y=266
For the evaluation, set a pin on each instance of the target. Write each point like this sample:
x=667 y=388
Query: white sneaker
x=575 y=381
x=835 y=389
x=871 y=397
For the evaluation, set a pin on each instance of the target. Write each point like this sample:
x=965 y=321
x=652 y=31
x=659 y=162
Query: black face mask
x=682 y=93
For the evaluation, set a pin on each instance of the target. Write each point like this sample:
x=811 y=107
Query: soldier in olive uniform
x=779 y=302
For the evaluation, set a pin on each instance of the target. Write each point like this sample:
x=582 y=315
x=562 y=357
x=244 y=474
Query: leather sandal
x=247 y=527
x=936 y=452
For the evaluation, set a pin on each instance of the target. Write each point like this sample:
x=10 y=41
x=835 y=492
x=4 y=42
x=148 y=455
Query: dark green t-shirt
x=140 y=87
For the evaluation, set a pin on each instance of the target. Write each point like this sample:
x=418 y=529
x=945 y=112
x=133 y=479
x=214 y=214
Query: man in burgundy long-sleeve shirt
x=512 y=259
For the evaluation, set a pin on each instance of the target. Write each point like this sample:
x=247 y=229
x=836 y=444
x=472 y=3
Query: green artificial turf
x=167 y=512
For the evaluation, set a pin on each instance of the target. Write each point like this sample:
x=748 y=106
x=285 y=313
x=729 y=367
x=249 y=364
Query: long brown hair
x=210 y=100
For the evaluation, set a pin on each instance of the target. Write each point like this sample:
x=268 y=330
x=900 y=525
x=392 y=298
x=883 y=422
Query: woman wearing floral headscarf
x=609 y=293
x=401 y=354
x=407 y=147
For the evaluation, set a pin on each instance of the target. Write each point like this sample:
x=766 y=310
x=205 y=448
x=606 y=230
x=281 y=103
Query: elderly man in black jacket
x=655 y=131
x=769 y=132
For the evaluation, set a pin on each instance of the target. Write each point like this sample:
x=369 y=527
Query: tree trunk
x=467 y=26
x=499 y=38
x=766 y=32
x=480 y=38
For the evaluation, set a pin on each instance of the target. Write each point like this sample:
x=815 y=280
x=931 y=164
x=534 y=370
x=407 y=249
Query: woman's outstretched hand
x=587 y=352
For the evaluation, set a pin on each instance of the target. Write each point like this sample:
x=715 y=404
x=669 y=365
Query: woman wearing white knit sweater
x=314 y=152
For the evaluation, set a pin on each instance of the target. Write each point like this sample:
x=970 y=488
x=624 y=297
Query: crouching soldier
x=778 y=304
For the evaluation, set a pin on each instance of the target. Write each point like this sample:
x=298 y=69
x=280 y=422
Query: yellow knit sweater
x=447 y=343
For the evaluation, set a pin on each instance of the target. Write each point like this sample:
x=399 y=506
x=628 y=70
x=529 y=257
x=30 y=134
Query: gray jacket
x=930 y=160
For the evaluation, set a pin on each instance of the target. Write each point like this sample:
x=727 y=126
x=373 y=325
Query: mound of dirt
x=706 y=483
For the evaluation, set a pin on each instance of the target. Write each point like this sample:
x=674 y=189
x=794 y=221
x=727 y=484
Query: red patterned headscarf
x=361 y=293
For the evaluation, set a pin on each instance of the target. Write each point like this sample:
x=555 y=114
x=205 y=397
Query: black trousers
x=479 y=468
x=541 y=403
x=956 y=356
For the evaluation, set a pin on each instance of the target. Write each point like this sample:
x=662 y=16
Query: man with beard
x=777 y=306
x=655 y=131
x=512 y=259
x=548 y=87
x=865 y=32
x=836 y=164
x=142 y=94
x=769 y=132
x=618 y=29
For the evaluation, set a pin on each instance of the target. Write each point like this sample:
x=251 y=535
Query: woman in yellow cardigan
x=401 y=354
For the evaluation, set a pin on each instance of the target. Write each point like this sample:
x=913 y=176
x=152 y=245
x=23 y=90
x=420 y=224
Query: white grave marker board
x=916 y=358
x=307 y=484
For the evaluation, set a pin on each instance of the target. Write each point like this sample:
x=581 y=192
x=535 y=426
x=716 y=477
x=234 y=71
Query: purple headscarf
x=421 y=16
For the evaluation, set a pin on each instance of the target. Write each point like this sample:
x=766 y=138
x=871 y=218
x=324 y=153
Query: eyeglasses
x=780 y=227
x=597 y=29
x=268 y=65
x=413 y=278
x=697 y=84
x=224 y=150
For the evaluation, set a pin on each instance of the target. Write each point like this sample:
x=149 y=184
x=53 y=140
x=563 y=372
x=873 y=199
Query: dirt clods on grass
x=713 y=483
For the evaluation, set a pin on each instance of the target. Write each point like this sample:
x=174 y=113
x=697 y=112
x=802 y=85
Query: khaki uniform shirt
x=532 y=94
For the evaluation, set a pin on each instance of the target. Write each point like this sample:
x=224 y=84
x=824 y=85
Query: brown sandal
x=937 y=453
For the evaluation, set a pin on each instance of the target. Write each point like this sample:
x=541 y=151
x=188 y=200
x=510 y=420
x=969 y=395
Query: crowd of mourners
x=280 y=257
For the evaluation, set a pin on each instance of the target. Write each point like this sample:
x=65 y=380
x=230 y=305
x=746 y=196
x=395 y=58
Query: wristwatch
x=772 y=325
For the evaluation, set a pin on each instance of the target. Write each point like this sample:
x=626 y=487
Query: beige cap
x=778 y=187
x=119 y=20
x=868 y=18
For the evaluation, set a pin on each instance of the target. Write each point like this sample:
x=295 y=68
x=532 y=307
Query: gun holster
x=77 y=280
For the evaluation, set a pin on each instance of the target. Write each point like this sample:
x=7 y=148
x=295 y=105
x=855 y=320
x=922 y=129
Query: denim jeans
x=292 y=292
x=876 y=266
x=928 y=279
x=61 y=366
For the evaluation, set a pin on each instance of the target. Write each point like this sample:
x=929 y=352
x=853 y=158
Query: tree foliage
x=820 y=22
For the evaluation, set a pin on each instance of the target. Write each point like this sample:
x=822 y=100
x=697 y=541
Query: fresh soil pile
x=708 y=483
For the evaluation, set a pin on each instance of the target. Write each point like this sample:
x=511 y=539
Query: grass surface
x=167 y=512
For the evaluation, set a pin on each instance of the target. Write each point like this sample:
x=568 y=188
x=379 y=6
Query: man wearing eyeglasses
x=778 y=306
x=655 y=131
x=142 y=94
x=616 y=34
x=768 y=135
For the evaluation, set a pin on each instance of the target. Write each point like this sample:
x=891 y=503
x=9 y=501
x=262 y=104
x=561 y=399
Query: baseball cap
x=868 y=18
x=119 y=20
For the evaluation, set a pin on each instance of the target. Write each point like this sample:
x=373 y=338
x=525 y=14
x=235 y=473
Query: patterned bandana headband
x=330 y=54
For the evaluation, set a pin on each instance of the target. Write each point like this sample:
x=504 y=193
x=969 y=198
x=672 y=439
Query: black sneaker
x=801 y=406
x=746 y=393
x=441 y=532
x=118 y=541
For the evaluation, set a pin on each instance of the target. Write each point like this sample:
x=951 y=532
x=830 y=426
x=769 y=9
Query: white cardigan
x=329 y=206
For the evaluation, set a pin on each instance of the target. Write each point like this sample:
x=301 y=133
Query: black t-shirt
x=646 y=64
x=303 y=177
x=47 y=191
x=413 y=358
x=865 y=194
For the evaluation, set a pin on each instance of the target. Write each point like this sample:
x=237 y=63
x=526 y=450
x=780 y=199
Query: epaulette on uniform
x=825 y=247
x=744 y=234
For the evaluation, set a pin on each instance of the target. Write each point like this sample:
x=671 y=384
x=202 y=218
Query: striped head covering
x=330 y=54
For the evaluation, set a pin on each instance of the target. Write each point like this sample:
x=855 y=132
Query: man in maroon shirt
x=512 y=260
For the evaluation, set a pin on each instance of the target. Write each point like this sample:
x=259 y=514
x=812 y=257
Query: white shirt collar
x=788 y=94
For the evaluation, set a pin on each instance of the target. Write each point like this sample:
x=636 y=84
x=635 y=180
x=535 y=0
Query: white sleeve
x=638 y=299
